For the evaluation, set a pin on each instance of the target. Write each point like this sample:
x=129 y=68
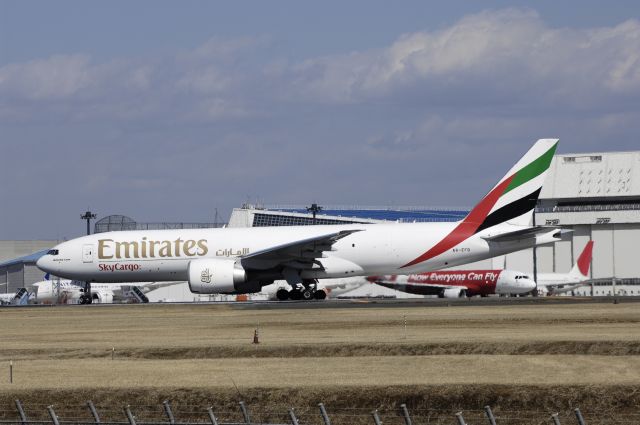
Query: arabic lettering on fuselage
x=230 y=252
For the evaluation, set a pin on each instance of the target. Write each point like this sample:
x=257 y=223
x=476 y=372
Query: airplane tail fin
x=513 y=199
x=581 y=268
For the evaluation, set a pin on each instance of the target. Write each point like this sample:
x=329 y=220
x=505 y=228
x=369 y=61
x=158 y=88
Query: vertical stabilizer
x=510 y=201
x=513 y=199
x=581 y=268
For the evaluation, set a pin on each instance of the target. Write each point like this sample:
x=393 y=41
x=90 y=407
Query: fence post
x=130 y=417
x=52 y=413
x=212 y=417
x=94 y=412
x=23 y=416
x=579 y=416
x=489 y=413
x=323 y=412
x=167 y=410
x=460 y=418
x=245 y=413
x=556 y=420
x=292 y=415
x=405 y=413
x=376 y=417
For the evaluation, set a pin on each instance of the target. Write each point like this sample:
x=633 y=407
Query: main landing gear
x=307 y=290
x=85 y=298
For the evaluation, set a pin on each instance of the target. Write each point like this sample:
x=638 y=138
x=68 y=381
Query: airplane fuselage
x=164 y=255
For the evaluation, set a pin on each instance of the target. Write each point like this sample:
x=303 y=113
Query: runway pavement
x=375 y=302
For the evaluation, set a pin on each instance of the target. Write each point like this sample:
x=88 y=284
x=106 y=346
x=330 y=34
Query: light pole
x=86 y=297
x=88 y=215
x=314 y=209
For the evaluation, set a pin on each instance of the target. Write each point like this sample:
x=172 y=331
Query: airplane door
x=87 y=253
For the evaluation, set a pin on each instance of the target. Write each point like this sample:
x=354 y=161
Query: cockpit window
x=52 y=252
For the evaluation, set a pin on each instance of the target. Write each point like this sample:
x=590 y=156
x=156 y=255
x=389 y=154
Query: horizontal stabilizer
x=527 y=233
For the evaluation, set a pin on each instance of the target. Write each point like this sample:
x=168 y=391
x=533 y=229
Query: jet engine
x=219 y=276
x=453 y=293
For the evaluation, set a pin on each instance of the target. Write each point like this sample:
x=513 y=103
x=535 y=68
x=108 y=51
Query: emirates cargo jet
x=232 y=260
x=467 y=283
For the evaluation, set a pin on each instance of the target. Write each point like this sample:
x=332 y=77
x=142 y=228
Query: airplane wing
x=299 y=254
x=419 y=288
x=527 y=233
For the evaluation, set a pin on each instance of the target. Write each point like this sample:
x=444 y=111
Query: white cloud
x=499 y=55
x=494 y=58
x=56 y=77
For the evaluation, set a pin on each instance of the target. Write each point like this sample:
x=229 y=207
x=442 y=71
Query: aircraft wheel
x=83 y=299
x=282 y=294
x=295 y=295
x=320 y=295
x=307 y=294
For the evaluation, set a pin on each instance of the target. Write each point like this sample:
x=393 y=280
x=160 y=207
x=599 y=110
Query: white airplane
x=20 y=297
x=555 y=283
x=243 y=260
x=64 y=291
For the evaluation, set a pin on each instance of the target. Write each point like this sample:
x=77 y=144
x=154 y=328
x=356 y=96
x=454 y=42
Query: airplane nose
x=43 y=264
x=531 y=285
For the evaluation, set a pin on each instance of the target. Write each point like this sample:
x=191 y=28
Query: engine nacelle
x=453 y=293
x=216 y=276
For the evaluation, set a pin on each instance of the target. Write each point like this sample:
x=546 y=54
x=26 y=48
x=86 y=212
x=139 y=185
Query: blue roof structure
x=389 y=214
x=31 y=258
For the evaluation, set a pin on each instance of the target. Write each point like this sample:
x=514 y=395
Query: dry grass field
x=461 y=357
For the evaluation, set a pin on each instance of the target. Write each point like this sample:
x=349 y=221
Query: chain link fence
x=320 y=415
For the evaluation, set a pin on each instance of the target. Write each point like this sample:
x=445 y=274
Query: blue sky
x=165 y=111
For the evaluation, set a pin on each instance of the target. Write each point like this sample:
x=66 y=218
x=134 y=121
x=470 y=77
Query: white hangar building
x=596 y=195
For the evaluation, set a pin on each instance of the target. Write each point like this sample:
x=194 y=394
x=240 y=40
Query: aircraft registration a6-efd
x=243 y=260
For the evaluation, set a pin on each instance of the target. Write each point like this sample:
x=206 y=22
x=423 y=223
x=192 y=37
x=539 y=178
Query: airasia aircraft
x=467 y=283
x=243 y=260
x=459 y=283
